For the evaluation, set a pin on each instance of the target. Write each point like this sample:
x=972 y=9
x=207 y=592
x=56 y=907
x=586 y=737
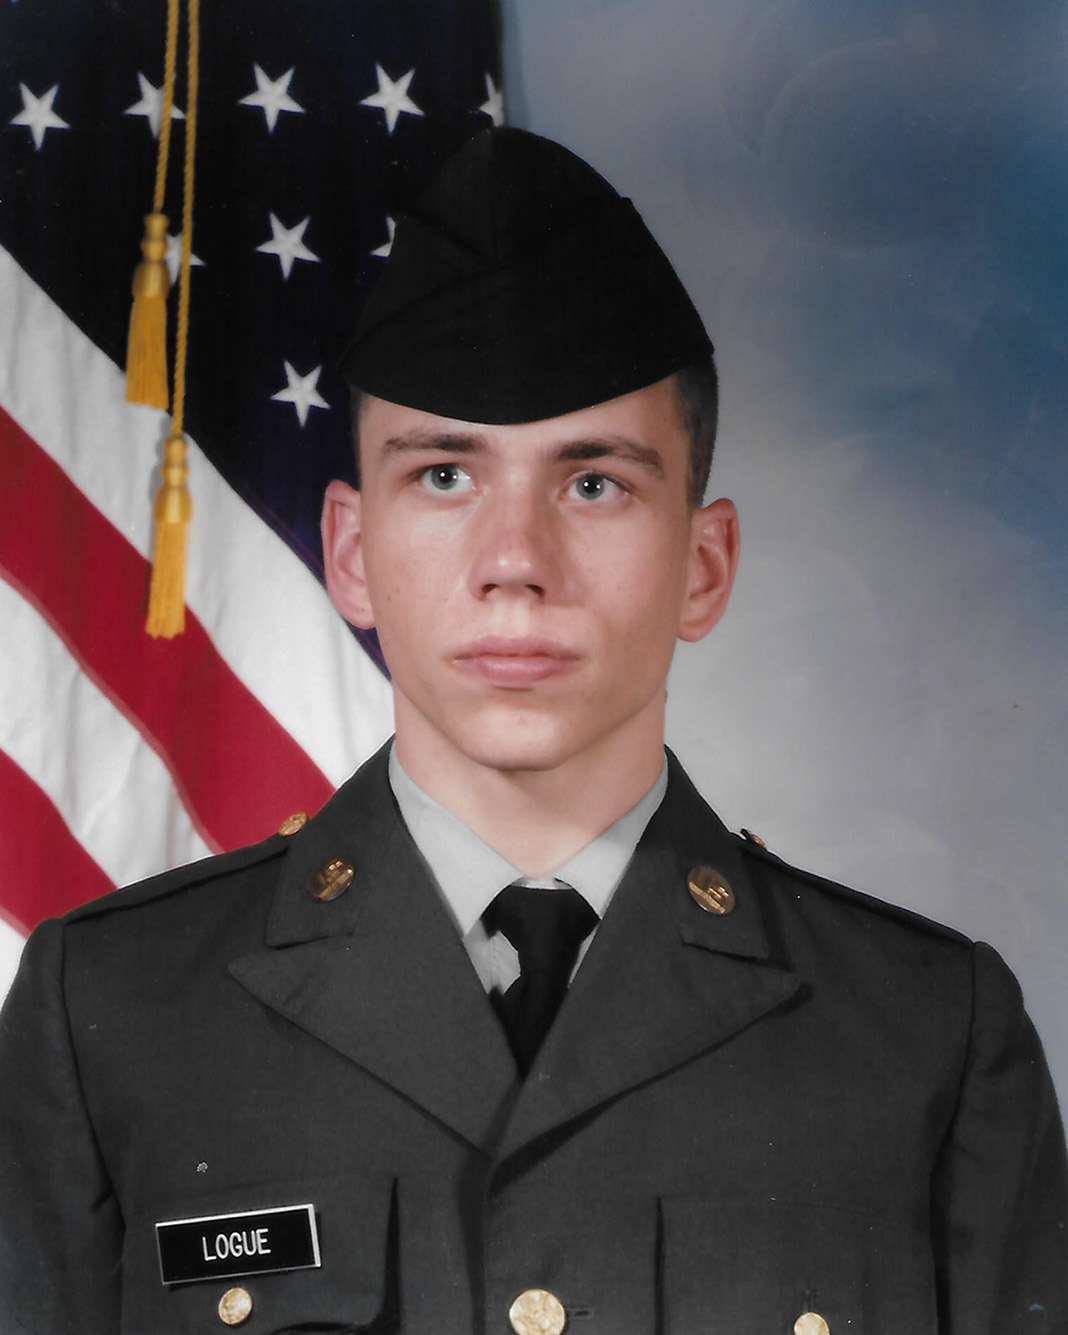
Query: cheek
x=642 y=583
x=405 y=550
x=397 y=572
x=412 y=600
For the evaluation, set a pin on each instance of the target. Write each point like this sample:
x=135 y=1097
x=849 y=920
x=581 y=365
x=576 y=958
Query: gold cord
x=172 y=507
x=170 y=60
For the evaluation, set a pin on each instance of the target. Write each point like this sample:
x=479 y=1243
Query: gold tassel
x=172 y=510
x=146 y=347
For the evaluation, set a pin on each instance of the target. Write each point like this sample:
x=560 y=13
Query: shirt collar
x=471 y=874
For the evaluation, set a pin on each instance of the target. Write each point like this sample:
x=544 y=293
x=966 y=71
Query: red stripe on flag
x=46 y=869
x=237 y=770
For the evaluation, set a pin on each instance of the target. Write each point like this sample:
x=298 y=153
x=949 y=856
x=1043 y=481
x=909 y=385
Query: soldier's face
x=528 y=583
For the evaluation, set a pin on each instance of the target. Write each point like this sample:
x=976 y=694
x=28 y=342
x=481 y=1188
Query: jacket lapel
x=380 y=973
x=663 y=982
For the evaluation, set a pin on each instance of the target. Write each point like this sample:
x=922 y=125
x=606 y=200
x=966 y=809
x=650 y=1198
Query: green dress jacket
x=814 y=1107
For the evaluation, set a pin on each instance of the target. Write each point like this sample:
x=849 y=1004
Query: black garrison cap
x=521 y=287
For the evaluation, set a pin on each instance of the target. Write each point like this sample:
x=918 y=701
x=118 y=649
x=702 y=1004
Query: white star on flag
x=37 y=114
x=288 y=244
x=494 y=103
x=151 y=106
x=301 y=392
x=392 y=97
x=174 y=257
x=271 y=96
x=383 y=250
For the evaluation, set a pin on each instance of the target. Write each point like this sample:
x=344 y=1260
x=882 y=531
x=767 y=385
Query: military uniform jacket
x=814 y=1103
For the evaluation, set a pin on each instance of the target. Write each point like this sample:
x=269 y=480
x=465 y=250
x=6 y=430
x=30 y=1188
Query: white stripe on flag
x=118 y=800
x=265 y=612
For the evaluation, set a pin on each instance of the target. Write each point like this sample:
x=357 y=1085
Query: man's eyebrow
x=447 y=442
x=614 y=447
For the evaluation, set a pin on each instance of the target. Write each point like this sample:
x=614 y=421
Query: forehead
x=647 y=417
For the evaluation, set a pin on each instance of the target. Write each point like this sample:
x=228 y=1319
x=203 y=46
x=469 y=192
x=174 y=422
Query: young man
x=514 y=1035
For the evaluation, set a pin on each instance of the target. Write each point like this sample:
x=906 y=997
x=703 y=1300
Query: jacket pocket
x=744 y=1266
x=353 y=1286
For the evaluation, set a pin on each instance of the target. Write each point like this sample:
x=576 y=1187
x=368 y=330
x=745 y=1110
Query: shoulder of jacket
x=844 y=894
x=182 y=878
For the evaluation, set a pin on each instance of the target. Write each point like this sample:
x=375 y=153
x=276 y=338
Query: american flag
x=319 y=121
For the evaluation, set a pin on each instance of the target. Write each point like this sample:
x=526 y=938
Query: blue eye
x=595 y=487
x=445 y=478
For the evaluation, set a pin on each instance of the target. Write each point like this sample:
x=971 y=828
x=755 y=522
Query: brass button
x=293 y=823
x=753 y=838
x=235 y=1307
x=333 y=878
x=811 y=1323
x=710 y=889
x=537 y=1312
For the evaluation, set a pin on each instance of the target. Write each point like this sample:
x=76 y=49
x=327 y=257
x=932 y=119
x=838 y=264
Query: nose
x=516 y=547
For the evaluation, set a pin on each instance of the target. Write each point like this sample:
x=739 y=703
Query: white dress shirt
x=470 y=874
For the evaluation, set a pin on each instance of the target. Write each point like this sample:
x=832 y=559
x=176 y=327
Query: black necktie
x=546 y=927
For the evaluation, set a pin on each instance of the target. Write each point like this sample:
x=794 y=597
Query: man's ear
x=714 y=548
x=342 y=532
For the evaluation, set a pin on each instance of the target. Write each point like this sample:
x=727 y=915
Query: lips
x=515 y=662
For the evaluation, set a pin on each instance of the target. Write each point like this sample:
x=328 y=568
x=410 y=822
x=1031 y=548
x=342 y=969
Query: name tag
x=250 y=1242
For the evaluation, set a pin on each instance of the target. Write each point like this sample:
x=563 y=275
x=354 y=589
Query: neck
x=536 y=818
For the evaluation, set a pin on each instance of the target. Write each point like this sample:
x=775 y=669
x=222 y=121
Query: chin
x=525 y=744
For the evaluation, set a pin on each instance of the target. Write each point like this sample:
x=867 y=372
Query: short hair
x=356 y=398
x=697 y=391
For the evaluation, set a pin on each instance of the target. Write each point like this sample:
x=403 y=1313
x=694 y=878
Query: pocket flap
x=759 y=1265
